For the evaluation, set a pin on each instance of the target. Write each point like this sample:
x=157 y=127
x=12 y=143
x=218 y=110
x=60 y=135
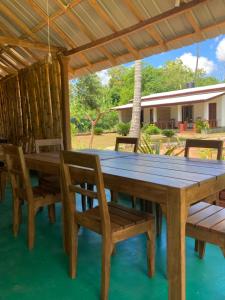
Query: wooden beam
x=137 y=27
x=65 y=104
x=20 y=24
x=54 y=16
x=140 y=17
x=191 y=19
x=125 y=57
x=12 y=41
x=107 y=19
x=9 y=61
x=16 y=56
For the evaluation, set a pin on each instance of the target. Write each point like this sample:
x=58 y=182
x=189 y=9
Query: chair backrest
x=208 y=144
x=18 y=172
x=127 y=141
x=77 y=168
x=48 y=143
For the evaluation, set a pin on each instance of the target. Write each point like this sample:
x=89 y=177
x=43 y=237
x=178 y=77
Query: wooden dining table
x=173 y=182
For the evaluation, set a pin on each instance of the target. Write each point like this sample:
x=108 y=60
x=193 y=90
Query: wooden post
x=65 y=105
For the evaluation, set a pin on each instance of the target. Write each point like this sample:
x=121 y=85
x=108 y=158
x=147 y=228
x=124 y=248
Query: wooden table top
x=170 y=171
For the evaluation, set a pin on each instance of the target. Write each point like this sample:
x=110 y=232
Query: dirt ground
x=107 y=141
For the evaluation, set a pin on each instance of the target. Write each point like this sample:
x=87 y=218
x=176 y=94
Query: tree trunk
x=136 y=111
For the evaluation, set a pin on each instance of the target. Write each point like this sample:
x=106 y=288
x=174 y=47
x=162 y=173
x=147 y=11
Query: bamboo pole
x=65 y=102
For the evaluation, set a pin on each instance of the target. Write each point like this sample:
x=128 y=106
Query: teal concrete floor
x=43 y=273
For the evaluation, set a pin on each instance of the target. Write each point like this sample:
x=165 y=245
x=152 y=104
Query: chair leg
x=83 y=198
x=106 y=256
x=73 y=250
x=151 y=251
x=3 y=181
x=134 y=201
x=158 y=211
x=196 y=245
x=16 y=216
x=51 y=213
x=90 y=201
x=114 y=196
x=31 y=226
x=201 y=249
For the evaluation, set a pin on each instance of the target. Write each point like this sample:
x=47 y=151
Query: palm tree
x=136 y=111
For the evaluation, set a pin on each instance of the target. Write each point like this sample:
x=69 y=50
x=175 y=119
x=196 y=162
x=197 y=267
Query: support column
x=206 y=111
x=155 y=119
x=179 y=113
x=65 y=104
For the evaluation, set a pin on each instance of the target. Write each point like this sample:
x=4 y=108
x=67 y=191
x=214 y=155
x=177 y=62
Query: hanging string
x=48 y=32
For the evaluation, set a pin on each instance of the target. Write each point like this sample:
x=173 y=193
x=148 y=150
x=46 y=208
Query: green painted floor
x=43 y=273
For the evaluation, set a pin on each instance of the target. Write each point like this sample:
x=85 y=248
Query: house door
x=187 y=114
x=212 y=115
x=151 y=116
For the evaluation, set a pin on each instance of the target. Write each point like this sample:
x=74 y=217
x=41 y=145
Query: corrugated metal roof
x=174 y=100
x=104 y=28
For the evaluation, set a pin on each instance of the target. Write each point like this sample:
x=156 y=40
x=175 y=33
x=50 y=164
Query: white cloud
x=220 y=50
x=104 y=76
x=204 y=63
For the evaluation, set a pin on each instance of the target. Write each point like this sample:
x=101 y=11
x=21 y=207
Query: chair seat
x=50 y=182
x=43 y=191
x=121 y=217
x=206 y=223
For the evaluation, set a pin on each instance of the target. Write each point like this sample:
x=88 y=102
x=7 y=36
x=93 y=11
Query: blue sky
x=213 y=63
x=211 y=60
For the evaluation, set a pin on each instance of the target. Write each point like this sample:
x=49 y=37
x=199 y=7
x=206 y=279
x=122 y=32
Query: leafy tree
x=89 y=100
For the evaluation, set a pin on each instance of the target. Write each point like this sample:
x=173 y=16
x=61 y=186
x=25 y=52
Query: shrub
x=98 y=131
x=123 y=128
x=201 y=125
x=168 y=132
x=151 y=129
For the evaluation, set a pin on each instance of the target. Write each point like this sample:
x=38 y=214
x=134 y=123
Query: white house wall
x=167 y=113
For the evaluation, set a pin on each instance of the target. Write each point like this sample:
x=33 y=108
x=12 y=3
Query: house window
x=187 y=114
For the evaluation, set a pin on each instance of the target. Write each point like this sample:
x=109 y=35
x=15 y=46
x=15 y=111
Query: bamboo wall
x=30 y=104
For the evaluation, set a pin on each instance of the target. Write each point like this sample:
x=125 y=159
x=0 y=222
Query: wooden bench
x=206 y=223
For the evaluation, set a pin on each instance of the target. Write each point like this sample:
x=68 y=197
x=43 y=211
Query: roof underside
x=98 y=34
x=189 y=99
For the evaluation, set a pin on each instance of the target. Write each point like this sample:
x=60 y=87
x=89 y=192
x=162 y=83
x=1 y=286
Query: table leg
x=176 y=221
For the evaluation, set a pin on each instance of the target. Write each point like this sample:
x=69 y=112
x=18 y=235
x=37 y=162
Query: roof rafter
x=168 y=42
x=137 y=27
x=8 y=40
x=151 y=30
x=103 y=14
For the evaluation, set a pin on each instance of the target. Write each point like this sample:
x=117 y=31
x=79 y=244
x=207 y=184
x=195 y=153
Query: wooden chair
x=205 y=144
x=114 y=222
x=50 y=144
x=35 y=197
x=53 y=145
x=133 y=142
x=127 y=141
x=206 y=223
x=194 y=143
x=46 y=180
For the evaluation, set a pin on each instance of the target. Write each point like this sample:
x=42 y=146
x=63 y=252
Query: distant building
x=169 y=109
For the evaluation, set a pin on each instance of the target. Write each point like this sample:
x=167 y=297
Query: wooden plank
x=213 y=220
x=147 y=178
x=197 y=207
x=172 y=166
x=181 y=160
x=219 y=227
x=203 y=214
x=122 y=165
